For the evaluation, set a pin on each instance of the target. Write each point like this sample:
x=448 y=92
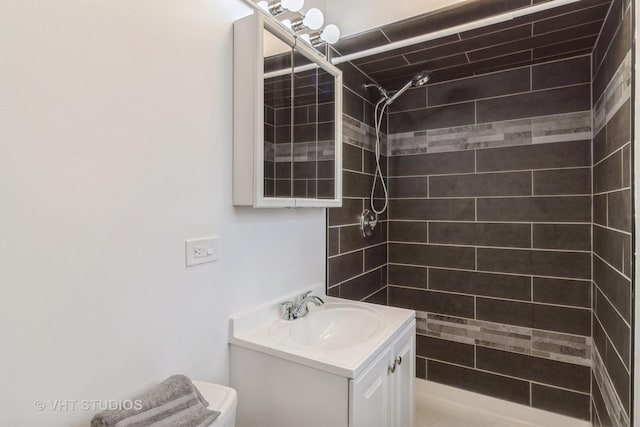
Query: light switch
x=199 y=251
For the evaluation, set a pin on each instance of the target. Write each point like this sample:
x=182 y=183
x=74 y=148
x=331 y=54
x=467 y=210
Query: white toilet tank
x=220 y=398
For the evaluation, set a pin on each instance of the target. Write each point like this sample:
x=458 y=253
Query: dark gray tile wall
x=510 y=222
x=483 y=240
x=356 y=267
x=556 y=33
x=612 y=219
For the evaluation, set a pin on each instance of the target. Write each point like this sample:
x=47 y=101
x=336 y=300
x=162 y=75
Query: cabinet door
x=278 y=159
x=403 y=379
x=370 y=395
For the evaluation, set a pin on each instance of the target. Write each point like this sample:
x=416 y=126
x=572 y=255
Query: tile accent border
x=361 y=135
x=537 y=130
x=612 y=402
x=302 y=151
x=618 y=91
x=517 y=339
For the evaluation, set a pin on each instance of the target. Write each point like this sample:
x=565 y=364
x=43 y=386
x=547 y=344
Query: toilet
x=222 y=399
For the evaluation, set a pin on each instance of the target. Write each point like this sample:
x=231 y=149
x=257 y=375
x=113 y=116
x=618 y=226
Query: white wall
x=354 y=16
x=115 y=146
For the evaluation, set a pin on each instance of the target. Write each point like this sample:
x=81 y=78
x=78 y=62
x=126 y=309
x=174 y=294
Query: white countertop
x=253 y=330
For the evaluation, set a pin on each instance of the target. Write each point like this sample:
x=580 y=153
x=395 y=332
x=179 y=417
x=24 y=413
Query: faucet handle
x=287 y=312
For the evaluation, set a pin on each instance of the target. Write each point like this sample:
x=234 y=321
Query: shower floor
x=443 y=406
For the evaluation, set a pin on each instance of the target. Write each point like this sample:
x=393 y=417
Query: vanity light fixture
x=312 y=20
x=330 y=35
x=306 y=25
x=278 y=7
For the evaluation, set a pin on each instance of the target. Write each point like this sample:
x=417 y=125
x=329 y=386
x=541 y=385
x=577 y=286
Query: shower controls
x=368 y=222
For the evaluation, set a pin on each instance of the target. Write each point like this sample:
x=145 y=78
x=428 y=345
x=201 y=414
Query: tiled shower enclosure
x=509 y=223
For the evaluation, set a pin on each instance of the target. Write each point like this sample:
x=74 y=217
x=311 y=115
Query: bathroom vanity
x=343 y=364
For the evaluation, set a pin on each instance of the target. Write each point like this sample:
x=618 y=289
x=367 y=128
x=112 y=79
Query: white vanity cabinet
x=364 y=385
x=383 y=394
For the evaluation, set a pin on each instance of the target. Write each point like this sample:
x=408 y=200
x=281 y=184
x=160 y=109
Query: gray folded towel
x=175 y=402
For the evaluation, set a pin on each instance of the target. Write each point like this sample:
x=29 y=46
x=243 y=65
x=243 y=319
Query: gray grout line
x=531 y=290
x=372 y=294
x=475 y=161
x=615 y=349
x=354 y=224
x=626 y=233
x=617 y=190
x=385 y=35
x=608 y=156
x=476 y=196
x=448 y=221
x=502 y=248
x=475 y=208
x=613 y=306
x=491 y=272
x=598 y=286
x=354 y=277
x=475 y=258
x=475 y=350
x=530 y=381
x=613 y=37
x=475 y=100
x=487 y=172
x=533 y=191
x=440 y=291
x=356 y=250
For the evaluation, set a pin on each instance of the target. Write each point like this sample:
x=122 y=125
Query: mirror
x=313 y=130
x=277 y=56
x=299 y=123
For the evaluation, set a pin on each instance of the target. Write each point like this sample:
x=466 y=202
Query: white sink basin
x=330 y=327
x=341 y=337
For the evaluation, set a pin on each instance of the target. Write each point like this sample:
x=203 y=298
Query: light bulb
x=292 y=5
x=330 y=34
x=286 y=23
x=313 y=19
x=306 y=37
x=264 y=5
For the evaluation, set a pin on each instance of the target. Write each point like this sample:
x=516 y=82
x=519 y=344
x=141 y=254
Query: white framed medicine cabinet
x=287 y=114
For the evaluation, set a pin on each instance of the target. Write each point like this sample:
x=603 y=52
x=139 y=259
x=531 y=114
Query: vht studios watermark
x=70 y=405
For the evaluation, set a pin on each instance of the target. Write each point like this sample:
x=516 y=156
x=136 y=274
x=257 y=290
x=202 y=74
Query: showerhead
x=421 y=79
x=418 y=80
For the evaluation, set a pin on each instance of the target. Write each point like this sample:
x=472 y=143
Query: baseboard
x=497 y=408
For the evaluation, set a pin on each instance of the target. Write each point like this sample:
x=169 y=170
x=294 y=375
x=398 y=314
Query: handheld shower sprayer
x=418 y=80
x=369 y=218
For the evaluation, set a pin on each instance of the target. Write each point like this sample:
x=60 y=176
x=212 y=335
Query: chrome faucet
x=299 y=308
